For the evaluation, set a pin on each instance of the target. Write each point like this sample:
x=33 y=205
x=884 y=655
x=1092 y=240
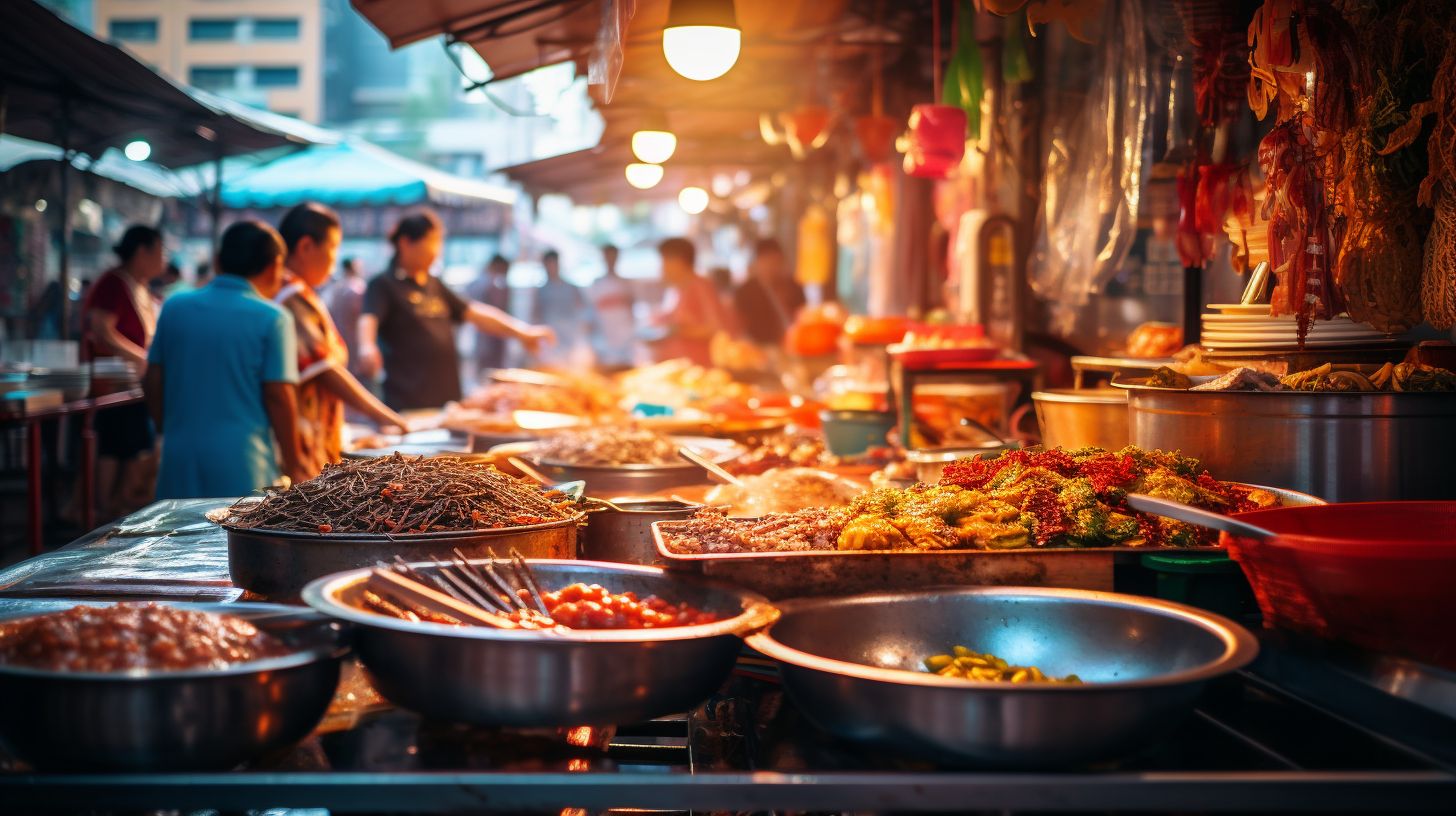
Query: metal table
x=1250 y=747
x=31 y=421
x=1305 y=729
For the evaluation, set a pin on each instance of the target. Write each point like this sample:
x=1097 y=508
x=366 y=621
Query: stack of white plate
x=110 y=375
x=73 y=383
x=1237 y=327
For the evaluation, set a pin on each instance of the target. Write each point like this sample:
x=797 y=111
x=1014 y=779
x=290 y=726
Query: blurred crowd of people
x=248 y=373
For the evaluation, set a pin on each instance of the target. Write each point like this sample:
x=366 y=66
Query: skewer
x=472 y=575
x=390 y=583
x=501 y=584
x=523 y=572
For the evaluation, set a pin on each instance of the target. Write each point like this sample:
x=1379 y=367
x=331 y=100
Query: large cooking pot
x=1082 y=418
x=621 y=531
x=1342 y=447
x=277 y=564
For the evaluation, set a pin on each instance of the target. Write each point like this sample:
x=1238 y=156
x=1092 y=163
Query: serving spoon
x=1179 y=511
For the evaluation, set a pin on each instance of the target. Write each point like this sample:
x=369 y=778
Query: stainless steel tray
x=779 y=575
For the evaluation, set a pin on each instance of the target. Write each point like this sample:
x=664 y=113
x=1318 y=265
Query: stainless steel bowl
x=621 y=531
x=930 y=462
x=277 y=564
x=206 y=719
x=608 y=481
x=853 y=666
x=499 y=677
x=1082 y=418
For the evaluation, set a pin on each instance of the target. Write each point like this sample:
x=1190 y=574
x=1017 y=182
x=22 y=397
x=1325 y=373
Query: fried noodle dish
x=1027 y=498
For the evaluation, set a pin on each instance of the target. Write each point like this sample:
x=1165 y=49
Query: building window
x=212 y=29
x=134 y=30
x=213 y=77
x=275 y=28
x=275 y=77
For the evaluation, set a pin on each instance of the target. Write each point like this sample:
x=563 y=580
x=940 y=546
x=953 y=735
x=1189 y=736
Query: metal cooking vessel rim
x=239 y=609
x=1080 y=396
x=321 y=595
x=578 y=517
x=1240 y=647
x=1144 y=388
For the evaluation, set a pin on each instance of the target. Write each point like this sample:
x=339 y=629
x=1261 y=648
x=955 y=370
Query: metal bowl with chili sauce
x=150 y=687
x=535 y=678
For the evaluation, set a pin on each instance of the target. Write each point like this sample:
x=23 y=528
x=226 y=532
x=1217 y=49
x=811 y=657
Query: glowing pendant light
x=653 y=142
x=644 y=176
x=693 y=200
x=702 y=38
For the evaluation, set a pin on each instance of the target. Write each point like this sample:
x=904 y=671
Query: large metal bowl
x=277 y=564
x=609 y=481
x=206 y=719
x=853 y=666
x=518 y=678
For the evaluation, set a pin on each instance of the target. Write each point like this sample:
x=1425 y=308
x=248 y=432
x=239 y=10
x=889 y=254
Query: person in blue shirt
x=222 y=377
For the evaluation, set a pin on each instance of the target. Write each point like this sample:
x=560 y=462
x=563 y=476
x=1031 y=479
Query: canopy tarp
x=148 y=178
x=353 y=174
x=59 y=85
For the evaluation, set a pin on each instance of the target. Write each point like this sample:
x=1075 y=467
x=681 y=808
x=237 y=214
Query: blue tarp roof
x=350 y=174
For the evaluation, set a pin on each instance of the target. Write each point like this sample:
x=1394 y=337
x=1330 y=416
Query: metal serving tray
x=778 y=575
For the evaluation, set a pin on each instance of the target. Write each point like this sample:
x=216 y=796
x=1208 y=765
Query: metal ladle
x=1179 y=511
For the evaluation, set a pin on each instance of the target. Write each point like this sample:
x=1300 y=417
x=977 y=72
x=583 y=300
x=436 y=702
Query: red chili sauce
x=580 y=606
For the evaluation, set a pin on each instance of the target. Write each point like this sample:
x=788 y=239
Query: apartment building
x=265 y=53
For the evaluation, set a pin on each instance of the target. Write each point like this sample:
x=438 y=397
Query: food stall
x=864 y=585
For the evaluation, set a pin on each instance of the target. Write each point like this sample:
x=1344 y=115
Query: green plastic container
x=1208 y=581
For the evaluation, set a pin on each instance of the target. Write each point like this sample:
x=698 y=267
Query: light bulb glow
x=137 y=150
x=693 y=200
x=644 y=176
x=653 y=146
x=701 y=52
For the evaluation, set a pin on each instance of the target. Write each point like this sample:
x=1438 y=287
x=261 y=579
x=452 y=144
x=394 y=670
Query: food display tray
x=778 y=575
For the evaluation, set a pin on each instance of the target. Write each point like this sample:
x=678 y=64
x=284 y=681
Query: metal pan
x=778 y=575
x=523 y=678
x=853 y=665
x=277 y=564
x=200 y=719
x=621 y=531
x=607 y=481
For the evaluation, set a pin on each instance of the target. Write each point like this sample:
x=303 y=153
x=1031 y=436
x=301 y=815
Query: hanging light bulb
x=702 y=38
x=644 y=176
x=693 y=200
x=137 y=150
x=653 y=146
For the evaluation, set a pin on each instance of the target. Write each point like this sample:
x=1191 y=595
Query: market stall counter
x=1303 y=724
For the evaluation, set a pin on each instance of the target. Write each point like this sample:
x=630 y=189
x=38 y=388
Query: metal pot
x=522 y=678
x=1072 y=418
x=930 y=462
x=201 y=719
x=277 y=564
x=621 y=531
x=853 y=665
x=1341 y=447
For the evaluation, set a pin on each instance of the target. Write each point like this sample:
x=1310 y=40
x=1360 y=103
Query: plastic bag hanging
x=1094 y=171
x=605 y=65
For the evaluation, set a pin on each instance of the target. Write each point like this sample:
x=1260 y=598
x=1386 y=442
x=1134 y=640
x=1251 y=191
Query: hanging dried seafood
x=1302 y=58
x=1438 y=188
x=1379 y=265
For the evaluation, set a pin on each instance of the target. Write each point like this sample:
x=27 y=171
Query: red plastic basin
x=1379 y=575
